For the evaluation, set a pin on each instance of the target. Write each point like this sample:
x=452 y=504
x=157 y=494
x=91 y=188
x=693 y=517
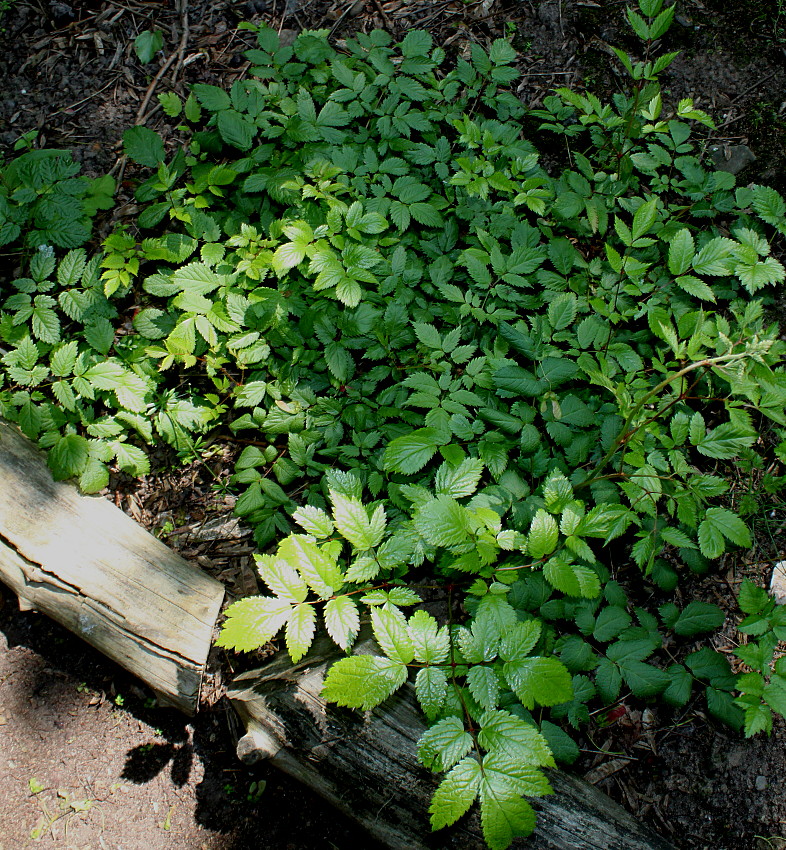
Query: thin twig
x=84 y=99
x=151 y=88
x=184 y=34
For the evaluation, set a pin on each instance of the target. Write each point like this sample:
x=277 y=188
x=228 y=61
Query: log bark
x=83 y=562
x=366 y=765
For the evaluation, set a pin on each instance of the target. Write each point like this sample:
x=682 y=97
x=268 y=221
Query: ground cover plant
x=452 y=368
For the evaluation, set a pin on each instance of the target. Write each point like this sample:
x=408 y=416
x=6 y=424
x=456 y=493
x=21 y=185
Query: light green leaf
x=342 y=620
x=287 y=256
x=410 y=453
x=542 y=680
x=503 y=733
x=724 y=442
x=281 y=577
x=431 y=643
x=131 y=458
x=68 y=456
x=444 y=744
x=504 y=815
x=543 y=535
x=390 y=632
x=431 y=685
x=571 y=579
x=681 y=251
x=455 y=794
x=363 y=681
x=720 y=523
x=351 y=520
x=314 y=521
x=300 y=630
x=483 y=685
x=518 y=640
x=443 y=521
x=315 y=564
x=459 y=481
x=252 y=622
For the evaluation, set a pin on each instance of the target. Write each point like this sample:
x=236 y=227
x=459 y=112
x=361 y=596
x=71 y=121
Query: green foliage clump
x=457 y=371
x=42 y=197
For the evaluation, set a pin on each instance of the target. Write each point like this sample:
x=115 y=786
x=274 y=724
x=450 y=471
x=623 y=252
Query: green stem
x=627 y=431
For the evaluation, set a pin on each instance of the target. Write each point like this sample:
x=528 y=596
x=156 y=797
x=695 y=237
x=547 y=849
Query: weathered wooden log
x=366 y=765
x=83 y=562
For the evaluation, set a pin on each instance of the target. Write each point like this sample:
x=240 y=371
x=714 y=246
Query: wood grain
x=83 y=562
x=366 y=765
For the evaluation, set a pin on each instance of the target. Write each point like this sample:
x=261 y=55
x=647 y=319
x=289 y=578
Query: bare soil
x=86 y=761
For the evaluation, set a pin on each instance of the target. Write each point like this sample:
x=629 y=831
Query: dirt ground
x=86 y=761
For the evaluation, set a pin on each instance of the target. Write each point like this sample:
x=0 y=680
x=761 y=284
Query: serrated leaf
x=211 y=97
x=131 y=459
x=720 y=523
x=410 y=453
x=483 y=684
x=503 y=733
x=71 y=267
x=571 y=579
x=459 y=481
x=681 y=251
x=100 y=334
x=299 y=633
x=390 y=632
x=428 y=335
x=363 y=569
x=543 y=535
x=144 y=146
x=752 y=599
x=68 y=456
x=455 y=794
x=611 y=621
x=643 y=679
x=503 y=818
x=363 y=681
x=518 y=640
x=444 y=744
x=416 y=43
x=352 y=521
x=431 y=643
x=724 y=442
x=314 y=563
x=314 y=521
x=252 y=622
x=170 y=103
x=281 y=577
x=697 y=618
x=342 y=620
x=431 y=685
x=563 y=747
x=442 y=521
x=542 y=680
x=562 y=310
x=235 y=129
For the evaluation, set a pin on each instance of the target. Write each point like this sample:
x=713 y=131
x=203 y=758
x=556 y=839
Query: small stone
x=732 y=158
x=778 y=582
x=761 y=783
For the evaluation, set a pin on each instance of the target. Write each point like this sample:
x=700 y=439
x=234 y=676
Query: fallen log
x=366 y=765
x=84 y=563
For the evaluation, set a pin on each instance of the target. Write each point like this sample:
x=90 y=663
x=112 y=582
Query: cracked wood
x=87 y=565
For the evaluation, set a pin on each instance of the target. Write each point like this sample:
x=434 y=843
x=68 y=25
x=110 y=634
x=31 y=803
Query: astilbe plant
x=456 y=368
